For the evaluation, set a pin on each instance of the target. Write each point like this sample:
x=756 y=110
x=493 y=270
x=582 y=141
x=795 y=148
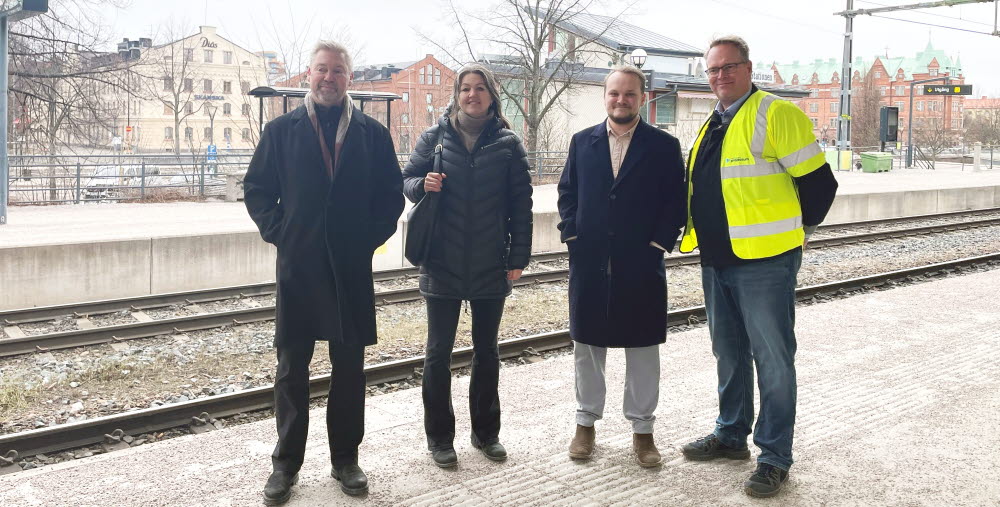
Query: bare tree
x=984 y=126
x=865 y=114
x=932 y=138
x=533 y=79
x=60 y=83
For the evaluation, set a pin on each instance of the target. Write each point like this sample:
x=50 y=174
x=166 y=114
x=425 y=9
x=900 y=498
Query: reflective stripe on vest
x=765 y=229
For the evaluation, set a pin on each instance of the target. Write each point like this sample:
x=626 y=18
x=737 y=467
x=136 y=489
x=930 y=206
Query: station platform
x=68 y=253
x=898 y=396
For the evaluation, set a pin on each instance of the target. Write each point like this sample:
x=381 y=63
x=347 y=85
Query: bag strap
x=437 y=152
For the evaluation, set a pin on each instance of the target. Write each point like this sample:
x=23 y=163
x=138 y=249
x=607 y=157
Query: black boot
x=353 y=480
x=494 y=451
x=279 y=487
x=445 y=458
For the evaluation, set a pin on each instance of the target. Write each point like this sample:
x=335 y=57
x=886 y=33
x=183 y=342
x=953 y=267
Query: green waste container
x=876 y=161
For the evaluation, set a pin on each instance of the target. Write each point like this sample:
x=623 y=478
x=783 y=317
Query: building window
x=208 y=86
x=422 y=76
x=227 y=109
x=246 y=134
x=834 y=107
x=189 y=107
x=227 y=134
x=406 y=96
x=404 y=119
x=168 y=109
x=188 y=133
x=168 y=84
x=666 y=111
x=882 y=90
x=437 y=76
x=934 y=72
x=956 y=107
x=955 y=124
x=899 y=105
x=833 y=123
x=227 y=57
x=188 y=84
x=245 y=86
x=934 y=106
x=208 y=56
x=900 y=90
x=430 y=98
x=815 y=123
x=227 y=87
x=878 y=74
x=168 y=133
x=920 y=105
x=208 y=133
x=920 y=90
x=246 y=110
x=814 y=93
x=813 y=107
x=188 y=55
x=404 y=143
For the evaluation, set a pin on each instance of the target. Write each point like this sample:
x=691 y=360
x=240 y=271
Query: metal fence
x=40 y=179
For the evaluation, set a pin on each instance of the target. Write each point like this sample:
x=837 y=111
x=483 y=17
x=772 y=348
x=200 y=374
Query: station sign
x=948 y=89
x=208 y=97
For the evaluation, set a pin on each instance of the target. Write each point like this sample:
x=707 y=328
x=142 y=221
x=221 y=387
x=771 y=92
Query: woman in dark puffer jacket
x=480 y=244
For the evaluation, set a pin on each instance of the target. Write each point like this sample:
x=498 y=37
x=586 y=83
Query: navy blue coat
x=617 y=283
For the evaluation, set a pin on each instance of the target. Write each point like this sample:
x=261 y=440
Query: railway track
x=198 y=413
x=123 y=332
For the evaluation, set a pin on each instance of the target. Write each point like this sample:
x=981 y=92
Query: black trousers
x=345 y=410
x=484 y=398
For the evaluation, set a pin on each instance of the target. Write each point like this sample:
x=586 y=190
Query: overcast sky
x=781 y=30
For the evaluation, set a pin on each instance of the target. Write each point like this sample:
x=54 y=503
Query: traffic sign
x=128 y=128
x=947 y=89
x=211 y=153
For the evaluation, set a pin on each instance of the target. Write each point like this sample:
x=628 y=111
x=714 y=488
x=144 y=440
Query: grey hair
x=335 y=47
x=733 y=40
x=627 y=69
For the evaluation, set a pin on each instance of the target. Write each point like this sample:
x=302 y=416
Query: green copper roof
x=825 y=69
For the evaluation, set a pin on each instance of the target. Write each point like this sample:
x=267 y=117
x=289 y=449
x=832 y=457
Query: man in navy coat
x=621 y=204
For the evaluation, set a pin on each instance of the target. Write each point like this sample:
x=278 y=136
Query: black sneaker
x=710 y=447
x=766 y=481
x=445 y=458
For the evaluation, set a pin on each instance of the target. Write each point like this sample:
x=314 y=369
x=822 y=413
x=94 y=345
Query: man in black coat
x=622 y=204
x=324 y=186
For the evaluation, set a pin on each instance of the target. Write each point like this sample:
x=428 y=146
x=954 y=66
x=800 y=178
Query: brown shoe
x=582 y=446
x=645 y=450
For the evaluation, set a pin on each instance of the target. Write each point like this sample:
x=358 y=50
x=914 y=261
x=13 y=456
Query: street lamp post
x=211 y=109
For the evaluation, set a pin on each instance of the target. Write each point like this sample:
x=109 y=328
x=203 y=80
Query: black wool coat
x=617 y=283
x=483 y=226
x=325 y=232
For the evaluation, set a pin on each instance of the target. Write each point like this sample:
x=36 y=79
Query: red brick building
x=891 y=78
x=426 y=87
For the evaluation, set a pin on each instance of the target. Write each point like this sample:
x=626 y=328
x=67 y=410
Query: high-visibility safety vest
x=768 y=142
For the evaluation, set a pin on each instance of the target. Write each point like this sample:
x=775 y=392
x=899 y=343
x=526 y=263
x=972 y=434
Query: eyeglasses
x=725 y=69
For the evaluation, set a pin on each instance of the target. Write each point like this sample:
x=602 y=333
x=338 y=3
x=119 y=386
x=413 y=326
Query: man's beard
x=623 y=121
x=329 y=97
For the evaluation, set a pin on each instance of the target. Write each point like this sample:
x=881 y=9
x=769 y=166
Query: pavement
x=85 y=223
x=899 y=393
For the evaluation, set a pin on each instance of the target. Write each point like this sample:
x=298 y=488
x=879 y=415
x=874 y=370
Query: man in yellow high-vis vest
x=758 y=185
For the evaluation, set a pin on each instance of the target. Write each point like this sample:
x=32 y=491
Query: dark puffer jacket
x=483 y=225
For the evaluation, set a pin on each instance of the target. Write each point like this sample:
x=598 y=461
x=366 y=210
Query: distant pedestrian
x=621 y=201
x=758 y=186
x=480 y=244
x=324 y=187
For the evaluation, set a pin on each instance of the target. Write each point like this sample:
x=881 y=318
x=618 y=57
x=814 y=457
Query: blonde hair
x=491 y=86
x=627 y=69
x=335 y=47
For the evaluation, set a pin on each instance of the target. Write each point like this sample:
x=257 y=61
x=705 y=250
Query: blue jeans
x=751 y=317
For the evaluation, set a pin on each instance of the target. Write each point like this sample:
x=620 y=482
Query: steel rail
x=131 y=331
x=77 y=434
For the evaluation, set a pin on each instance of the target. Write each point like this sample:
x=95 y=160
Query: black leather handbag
x=421 y=218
